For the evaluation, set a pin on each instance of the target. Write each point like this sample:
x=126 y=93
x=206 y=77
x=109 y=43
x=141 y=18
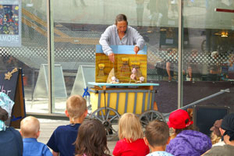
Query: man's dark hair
x=228 y=126
x=120 y=17
x=157 y=133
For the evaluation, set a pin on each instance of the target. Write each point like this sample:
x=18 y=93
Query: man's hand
x=112 y=57
x=136 y=49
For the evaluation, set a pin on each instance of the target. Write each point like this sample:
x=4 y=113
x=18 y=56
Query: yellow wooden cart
x=109 y=101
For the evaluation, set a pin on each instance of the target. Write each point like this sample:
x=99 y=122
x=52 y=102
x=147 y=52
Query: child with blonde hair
x=63 y=138
x=130 y=133
x=30 y=131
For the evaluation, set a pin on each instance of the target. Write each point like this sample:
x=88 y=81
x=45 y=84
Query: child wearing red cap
x=187 y=141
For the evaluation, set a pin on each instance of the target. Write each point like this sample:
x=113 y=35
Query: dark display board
x=11 y=83
x=205 y=117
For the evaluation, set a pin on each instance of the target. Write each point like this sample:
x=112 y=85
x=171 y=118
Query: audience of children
x=63 y=138
x=130 y=133
x=30 y=131
x=91 y=139
x=157 y=137
x=186 y=141
x=227 y=132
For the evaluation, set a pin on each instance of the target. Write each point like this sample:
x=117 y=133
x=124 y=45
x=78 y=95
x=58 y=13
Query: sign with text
x=11 y=83
x=10 y=23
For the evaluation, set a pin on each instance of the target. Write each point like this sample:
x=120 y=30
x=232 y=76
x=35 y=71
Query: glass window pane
x=31 y=55
x=207 y=55
x=34 y=54
x=207 y=52
x=78 y=31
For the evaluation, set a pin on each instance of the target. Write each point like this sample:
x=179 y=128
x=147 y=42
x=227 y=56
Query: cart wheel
x=150 y=115
x=108 y=116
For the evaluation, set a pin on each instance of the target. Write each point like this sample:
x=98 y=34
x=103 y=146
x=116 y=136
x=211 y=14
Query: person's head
x=130 y=127
x=194 y=52
x=214 y=54
x=231 y=59
x=216 y=126
x=91 y=139
x=121 y=23
x=180 y=120
x=215 y=132
x=174 y=50
x=157 y=134
x=171 y=51
x=3 y=114
x=30 y=127
x=76 y=108
x=227 y=127
x=6 y=105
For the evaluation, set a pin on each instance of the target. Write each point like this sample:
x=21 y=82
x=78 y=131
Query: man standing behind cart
x=120 y=34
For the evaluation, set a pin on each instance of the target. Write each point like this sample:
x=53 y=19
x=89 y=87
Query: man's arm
x=138 y=39
x=104 y=41
x=111 y=57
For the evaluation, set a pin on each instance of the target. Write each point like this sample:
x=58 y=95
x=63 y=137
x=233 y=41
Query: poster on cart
x=10 y=23
x=126 y=64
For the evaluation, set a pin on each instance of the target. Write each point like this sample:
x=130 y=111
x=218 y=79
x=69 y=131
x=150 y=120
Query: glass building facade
x=189 y=47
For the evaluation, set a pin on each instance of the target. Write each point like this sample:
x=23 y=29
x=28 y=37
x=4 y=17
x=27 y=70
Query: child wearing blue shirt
x=30 y=131
x=63 y=138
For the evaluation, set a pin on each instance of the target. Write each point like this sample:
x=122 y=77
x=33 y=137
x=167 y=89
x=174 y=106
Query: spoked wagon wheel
x=150 y=115
x=108 y=116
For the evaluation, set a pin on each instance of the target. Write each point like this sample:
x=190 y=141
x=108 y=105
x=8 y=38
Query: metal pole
x=201 y=100
x=50 y=40
x=180 y=41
